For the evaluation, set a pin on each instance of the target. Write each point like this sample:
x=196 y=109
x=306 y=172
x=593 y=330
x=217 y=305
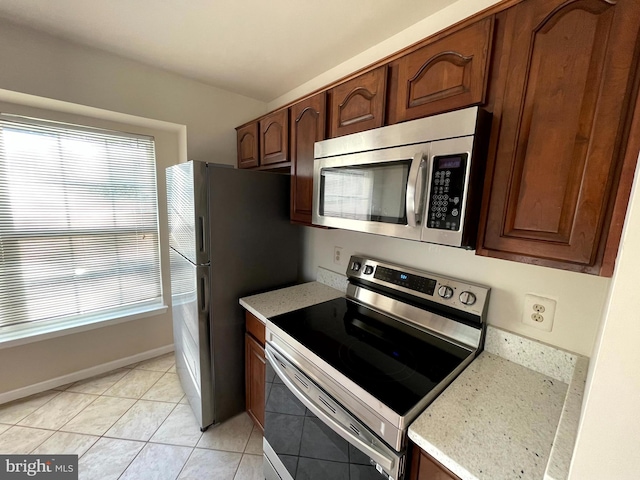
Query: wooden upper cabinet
x=358 y=104
x=448 y=74
x=560 y=127
x=308 y=125
x=248 y=146
x=274 y=138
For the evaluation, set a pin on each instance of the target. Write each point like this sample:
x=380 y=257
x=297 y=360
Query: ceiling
x=258 y=48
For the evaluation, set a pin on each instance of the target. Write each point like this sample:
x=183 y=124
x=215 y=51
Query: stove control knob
x=368 y=270
x=355 y=266
x=467 y=298
x=445 y=292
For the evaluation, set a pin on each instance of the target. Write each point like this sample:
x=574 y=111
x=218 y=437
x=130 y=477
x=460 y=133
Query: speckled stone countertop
x=270 y=304
x=509 y=415
x=496 y=421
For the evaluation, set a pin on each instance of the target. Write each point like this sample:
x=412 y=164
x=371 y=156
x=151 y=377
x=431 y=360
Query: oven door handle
x=386 y=462
x=415 y=189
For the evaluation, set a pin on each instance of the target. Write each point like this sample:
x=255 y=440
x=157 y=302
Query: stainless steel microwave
x=419 y=180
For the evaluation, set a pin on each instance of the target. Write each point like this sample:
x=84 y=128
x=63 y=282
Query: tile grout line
x=98 y=437
x=88 y=405
x=16 y=423
x=58 y=429
x=242 y=454
x=185 y=463
x=97 y=396
x=132 y=460
x=120 y=417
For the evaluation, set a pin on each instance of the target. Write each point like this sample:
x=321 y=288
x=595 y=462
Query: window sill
x=24 y=334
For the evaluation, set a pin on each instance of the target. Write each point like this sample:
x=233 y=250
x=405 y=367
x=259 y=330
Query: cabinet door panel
x=274 y=138
x=447 y=74
x=308 y=124
x=248 y=146
x=566 y=92
x=255 y=365
x=423 y=467
x=359 y=103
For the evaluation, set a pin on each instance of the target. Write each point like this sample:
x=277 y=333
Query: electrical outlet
x=538 y=312
x=337 y=255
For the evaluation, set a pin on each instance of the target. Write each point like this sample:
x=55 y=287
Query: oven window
x=306 y=446
x=373 y=192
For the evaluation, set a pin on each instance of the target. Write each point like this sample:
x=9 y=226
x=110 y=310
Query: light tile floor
x=133 y=423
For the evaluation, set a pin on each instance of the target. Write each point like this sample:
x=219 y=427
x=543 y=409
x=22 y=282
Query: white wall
x=421 y=29
x=580 y=297
x=91 y=83
x=39 y=64
x=609 y=434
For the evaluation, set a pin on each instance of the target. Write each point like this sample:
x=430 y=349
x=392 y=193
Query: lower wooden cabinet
x=424 y=467
x=255 y=364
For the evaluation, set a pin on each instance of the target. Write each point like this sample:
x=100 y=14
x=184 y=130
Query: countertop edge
x=441 y=457
x=253 y=311
x=567 y=432
x=276 y=302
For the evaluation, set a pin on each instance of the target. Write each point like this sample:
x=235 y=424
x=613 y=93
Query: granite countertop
x=511 y=414
x=276 y=302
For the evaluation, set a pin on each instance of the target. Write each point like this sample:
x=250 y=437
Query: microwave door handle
x=414 y=189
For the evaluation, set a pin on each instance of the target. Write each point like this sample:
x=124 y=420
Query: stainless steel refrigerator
x=230 y=236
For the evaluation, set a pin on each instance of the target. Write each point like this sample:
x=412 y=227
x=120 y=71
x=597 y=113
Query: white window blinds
x=78 y=223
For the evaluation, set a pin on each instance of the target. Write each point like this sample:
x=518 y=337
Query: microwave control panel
x=446 y=191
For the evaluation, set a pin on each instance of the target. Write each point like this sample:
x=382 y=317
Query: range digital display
x=407 y=280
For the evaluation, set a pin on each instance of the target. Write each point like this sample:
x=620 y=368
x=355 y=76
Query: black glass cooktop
x=394 y=362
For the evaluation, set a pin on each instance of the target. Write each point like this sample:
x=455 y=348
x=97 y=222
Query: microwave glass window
x=374 y=192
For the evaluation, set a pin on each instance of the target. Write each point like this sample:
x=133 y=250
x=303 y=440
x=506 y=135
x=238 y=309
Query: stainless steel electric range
x=345 y=378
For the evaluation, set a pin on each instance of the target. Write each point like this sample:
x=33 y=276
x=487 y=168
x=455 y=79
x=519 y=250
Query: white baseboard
x=82 y=374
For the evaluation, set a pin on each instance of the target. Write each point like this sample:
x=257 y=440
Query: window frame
x=167 y=136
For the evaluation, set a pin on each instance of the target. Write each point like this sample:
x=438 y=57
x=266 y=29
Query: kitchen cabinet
x=255 y=369
x=561 y=79
x=447 y=74
x=358 y=104
x=248 y=145
x=424 y=467
x=274 y=138
x=564 y=95
x=308 y=125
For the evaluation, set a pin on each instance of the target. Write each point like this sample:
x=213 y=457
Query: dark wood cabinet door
x=423 y=467
x=308 y=125
x=248 y=146
x=358 y=104
x=447 y=74
x=558 y=130
x=274 y=138
x=255 y=367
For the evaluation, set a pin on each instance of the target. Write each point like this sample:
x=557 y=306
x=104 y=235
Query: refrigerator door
x=190 y=299
x=187 y=201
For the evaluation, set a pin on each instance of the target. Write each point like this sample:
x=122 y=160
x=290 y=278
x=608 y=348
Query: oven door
x=309 y=435
x=380 y=191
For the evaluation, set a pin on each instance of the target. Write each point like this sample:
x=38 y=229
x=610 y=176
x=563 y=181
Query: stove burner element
x=370 y=347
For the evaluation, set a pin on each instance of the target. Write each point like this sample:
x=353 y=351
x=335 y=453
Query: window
x=78 y=224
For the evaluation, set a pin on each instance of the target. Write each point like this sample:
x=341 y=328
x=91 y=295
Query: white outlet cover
x=549 y=311
x=337 y=255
